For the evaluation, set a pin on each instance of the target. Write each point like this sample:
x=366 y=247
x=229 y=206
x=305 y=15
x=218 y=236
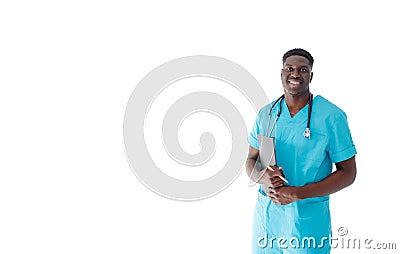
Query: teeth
x=294 y=82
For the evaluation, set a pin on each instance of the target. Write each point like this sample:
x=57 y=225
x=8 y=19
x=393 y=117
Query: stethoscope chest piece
x=307 y=133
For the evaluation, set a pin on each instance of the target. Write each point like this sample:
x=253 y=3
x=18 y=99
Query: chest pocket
x=313 y=149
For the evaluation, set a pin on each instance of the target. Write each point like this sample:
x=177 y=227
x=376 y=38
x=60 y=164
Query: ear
x=311 y=76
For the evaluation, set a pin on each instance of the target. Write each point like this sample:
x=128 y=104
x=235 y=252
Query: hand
x=283 y=195
x=271 y=179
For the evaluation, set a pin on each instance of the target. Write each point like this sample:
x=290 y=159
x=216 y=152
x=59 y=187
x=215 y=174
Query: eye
x=289 y=68
x=304 y=69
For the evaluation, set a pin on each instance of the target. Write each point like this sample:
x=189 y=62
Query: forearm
x=336 y=181
x=250 y=164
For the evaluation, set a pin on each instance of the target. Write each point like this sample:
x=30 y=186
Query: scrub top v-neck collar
x=298 y=117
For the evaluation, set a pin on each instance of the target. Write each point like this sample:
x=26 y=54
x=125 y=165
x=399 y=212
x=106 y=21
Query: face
x=296 y=75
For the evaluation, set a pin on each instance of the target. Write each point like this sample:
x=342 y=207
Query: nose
x=295 y=73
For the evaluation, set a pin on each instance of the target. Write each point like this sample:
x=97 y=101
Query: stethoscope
x=307 y=132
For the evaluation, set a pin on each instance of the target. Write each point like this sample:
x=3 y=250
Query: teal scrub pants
x=296 y=228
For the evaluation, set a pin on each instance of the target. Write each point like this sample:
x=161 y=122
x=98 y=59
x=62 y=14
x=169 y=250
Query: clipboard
x=267 y=156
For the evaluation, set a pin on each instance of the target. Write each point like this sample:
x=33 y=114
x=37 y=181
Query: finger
x=276 y=201
x=272 y=197
x=275 y=173
x=276 y=180
x=271 y=174
x=271 y=190
x=275 y=168
x=275 y=198
x=271 y=182
x=277 y=185
x=272 y=170
x=271 y=193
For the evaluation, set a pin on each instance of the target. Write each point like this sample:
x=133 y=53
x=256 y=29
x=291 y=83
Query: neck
x=296 y=102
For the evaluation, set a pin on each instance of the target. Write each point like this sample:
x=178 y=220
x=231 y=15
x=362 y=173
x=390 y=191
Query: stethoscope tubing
x=307 y=132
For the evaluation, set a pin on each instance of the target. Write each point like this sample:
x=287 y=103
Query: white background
x=68 y=68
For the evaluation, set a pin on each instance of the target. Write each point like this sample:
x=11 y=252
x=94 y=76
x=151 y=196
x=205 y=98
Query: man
x=310 y=134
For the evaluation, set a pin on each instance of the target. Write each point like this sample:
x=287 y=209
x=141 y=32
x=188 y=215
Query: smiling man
x=310 y=134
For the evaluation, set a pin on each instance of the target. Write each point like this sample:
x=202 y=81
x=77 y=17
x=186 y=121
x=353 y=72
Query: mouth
x=294 y=82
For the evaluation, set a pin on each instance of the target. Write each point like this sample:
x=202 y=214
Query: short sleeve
x=252 y=139
x=341 y=146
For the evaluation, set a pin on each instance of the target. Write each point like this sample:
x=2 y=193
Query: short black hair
x=299 y=52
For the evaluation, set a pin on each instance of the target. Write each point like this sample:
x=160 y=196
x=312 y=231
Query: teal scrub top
x=303 y=161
